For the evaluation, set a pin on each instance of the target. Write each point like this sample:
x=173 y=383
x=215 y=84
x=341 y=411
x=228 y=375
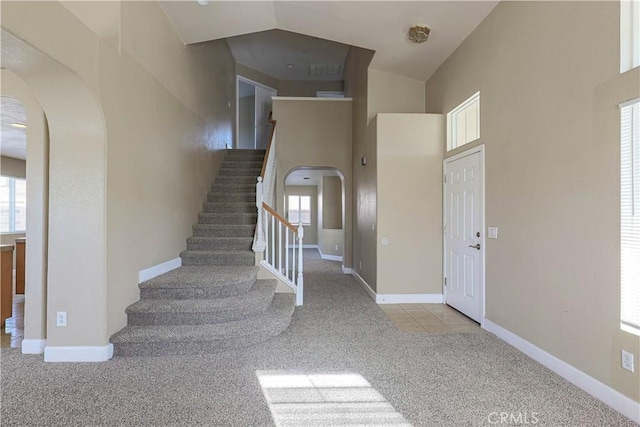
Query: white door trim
x=477 y=149
x=239 y=79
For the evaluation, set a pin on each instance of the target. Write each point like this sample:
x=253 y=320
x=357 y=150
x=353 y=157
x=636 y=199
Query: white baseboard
x=31 y=346
x=365 y=285
x=78 y=353
x=347 y=270
x=156 y=270
x=397 y=298
x=409 y=298
x=329 y=257
x=621 y=403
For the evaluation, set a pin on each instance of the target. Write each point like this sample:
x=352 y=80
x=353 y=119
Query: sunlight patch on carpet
x=331 y=399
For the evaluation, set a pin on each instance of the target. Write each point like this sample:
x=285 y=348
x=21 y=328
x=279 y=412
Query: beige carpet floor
x=341 y=362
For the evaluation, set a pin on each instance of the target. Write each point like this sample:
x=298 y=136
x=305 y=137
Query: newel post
x=300 y=284
x=259 y=242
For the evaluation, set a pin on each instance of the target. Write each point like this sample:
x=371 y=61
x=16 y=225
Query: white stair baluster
x=273 y=241
x=280 y=247
x=286 y=253
x=293 y=257
x=266 y=233
x=300 y=284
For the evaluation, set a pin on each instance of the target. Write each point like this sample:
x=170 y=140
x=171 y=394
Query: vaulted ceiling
x=380 y=26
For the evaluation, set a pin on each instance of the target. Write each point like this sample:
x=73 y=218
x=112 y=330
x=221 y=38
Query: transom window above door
x=463 y=123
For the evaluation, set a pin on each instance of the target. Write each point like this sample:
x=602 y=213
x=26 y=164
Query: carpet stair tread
x=227 y=218
x=272 y=322
x=239 y=207
x=220 y=243
x=261 y=292
x=203 y=275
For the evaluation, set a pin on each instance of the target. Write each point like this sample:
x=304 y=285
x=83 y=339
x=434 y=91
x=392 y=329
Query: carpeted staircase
x=214 y=302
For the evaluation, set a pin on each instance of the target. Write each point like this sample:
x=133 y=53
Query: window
x=463 y=123
x=629 y=34
x=630 y=216
x=13 y=205
x=300 y=210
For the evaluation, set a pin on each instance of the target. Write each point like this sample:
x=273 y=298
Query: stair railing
x=283 y=258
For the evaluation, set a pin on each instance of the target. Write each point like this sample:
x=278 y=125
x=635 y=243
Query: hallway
x=448 y=379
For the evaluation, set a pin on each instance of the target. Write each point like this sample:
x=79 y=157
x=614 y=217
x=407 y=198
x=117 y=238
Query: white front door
x=464 y=233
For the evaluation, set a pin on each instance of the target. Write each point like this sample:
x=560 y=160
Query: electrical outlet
x=336 y=248
x=627 y=360
x=360 y=265
x=61 y=318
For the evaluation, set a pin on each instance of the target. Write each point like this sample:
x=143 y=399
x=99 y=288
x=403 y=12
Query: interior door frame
x=239 y=79
x=483 y=239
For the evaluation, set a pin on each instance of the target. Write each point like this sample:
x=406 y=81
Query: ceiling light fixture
x=19 y=125
x=203 y=2
x=419 y=33
x=290 y=66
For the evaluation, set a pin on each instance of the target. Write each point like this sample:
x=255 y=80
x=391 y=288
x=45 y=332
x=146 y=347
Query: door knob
x=475 y=246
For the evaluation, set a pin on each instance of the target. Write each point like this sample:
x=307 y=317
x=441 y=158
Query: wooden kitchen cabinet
x=21 y=246
x=6 y=282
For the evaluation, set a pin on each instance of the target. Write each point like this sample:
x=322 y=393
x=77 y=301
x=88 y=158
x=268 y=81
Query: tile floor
x=13 y=331
x=429 y=319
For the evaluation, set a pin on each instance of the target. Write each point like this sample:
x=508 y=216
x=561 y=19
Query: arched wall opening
x=314 y=133
x=325 y=192
x=37 y=176
x=75 y=265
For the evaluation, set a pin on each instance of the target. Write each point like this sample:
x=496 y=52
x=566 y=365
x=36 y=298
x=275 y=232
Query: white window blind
x=630 y=217
x=300 y=210
x=13 y=204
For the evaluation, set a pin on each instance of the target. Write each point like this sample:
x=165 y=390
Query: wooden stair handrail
x=266 y=156
x=279 y=217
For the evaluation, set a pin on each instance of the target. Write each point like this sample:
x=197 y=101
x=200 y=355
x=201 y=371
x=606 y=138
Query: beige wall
x=391 y=93
x=373 y=92
x=303 y=138
x=256 y=76
x=178 y=116
x=364 y=179
x=409 y=203
x=13 y=167
x=246 y=122
x=310 y=231
x=328 y=239
x=550 y=125
x=306 y=87
x=331 y=202
x=330 y=216
x=164 y=111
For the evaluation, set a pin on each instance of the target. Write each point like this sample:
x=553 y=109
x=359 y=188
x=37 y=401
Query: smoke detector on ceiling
x=419 y=33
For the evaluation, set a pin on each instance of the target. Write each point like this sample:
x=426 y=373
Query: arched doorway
x=74 y=234
x=316 y=196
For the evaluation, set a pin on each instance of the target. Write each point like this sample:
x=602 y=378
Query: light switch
x=492 y=233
